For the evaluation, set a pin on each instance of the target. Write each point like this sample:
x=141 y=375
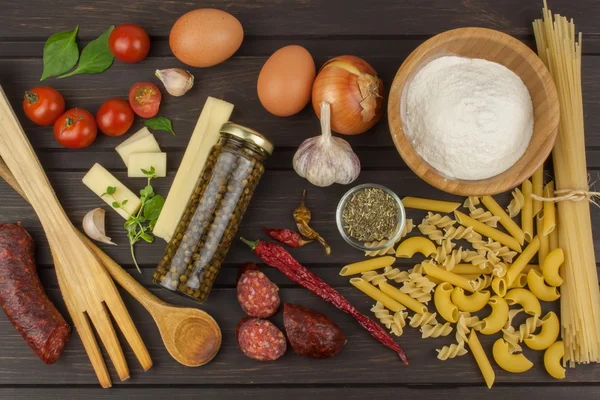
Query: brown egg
x=205 y=37
x=285 y=81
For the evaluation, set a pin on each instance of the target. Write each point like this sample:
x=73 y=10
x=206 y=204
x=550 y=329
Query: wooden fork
x=88 y=291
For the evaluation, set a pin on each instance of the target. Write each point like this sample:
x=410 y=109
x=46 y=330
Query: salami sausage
x=23 y=298
x=246 y=267
x=311 y=333
x=260 y=340
x=258 y=296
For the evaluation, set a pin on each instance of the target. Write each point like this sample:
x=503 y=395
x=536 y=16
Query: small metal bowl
x=361 y=245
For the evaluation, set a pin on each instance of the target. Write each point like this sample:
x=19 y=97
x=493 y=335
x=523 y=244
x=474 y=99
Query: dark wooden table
x=384 y=33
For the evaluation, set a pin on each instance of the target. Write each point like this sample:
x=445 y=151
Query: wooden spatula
x=87 y=289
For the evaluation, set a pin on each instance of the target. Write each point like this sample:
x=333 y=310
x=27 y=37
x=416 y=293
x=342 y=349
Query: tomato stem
x=31 y=97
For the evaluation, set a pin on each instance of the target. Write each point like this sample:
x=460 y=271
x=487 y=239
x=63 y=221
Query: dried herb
x=302 y=217
x=370 y=214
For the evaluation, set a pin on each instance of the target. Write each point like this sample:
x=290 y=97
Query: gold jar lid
x=248 y=135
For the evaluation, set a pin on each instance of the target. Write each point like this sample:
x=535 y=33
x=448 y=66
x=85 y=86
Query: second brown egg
x=285 y=81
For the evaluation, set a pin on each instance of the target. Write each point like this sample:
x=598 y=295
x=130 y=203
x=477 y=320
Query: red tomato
x=76 y=128
x=43 y=105
x=114 y=117
x=144 y=98
x=129 y=43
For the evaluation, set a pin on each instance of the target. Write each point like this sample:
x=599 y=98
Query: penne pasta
x=447 y=276
x=482 y=360
x=488 y=231
x=418 y=203
x=549 y=211
x=527 y=212
x=367 y=265
x=537 y=188
x=505 y=220
x=517 y=267
x=544 y=240
x=402 y=298
x=376 y=294
x=470 y=269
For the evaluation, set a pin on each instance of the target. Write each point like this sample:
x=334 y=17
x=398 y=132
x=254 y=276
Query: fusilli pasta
x=481 y=283
x=529 y=327
x=451 y=351
x=462 y=329
x=458 y=233
x=471 y=203
x=510 y=335
x=499 y=270
x=419 y=320
x=394 y=322
x=438 y=220
x=374 y=253
x=434 y=331
x=431 y=231
x=408 y=228
x=516 y=204
x=448 y=261
x=373 y=277
x=484 y=216
x=419 y=288
x=475 y=258
x=507 y=255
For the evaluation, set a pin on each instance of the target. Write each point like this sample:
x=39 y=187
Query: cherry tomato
x=129 y=43
x=144 y=98
x=76 y=128
x=114 y=117
x=43 y=105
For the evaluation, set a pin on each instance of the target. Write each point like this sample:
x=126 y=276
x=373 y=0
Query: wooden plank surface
x=384 y=32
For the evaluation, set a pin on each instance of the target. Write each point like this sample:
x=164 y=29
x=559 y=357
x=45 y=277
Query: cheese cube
x=98 y=179
x=144 y=142
x=137 y=161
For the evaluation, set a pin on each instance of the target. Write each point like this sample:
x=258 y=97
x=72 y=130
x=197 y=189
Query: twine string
x=570 y=195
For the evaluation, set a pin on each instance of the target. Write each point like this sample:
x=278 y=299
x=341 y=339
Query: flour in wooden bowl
x=468 y=118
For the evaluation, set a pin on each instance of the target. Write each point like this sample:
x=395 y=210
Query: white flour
x=468 y=118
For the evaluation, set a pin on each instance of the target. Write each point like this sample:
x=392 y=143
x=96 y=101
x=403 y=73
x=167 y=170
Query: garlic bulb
x=325 y=159
x=93 y=225
x=177 y=81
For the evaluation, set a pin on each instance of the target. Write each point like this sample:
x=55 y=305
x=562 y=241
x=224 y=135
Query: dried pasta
x=516 y=204
x=484 y=216
x=402 y=298
x=419 y=320
x=537 y=188
x=447 y=276
x=435 y=331
x=517 y=267
x=382 y=252
x=505 y=220
x=451 y=351
x=507 y=255
x=482 y=361
x=471 y=203
x=462 y=328
x=418 y=287
x=448 y=260
x=507 y=360
x=552 y=357
x=367 y=265
x=438 y=220
x=376 y=294
x=527 y=212
x=476 y=259
x=547 y=335
x=460 y=232
x=481 y=283
x=431 y=231
x=429 y=205
x=509 y=333
x=488 y=231
x=394 y=322
x=529 y=327
x=389 y=273
x=526 y=299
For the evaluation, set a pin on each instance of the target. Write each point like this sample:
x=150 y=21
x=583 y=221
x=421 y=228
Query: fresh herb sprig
x=139 y=226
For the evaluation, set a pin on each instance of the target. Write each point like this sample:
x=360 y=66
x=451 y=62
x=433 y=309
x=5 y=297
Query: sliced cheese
x=138 y=161
x=145 y=143
x=206 y=134
x=98 y=179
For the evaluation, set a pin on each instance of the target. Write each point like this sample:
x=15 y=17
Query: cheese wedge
x=140 y=142
x=138 y=161
x=206 y=134
x=98 y=179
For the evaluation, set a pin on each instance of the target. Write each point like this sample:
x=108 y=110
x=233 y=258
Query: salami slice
x=260 y=340
x=23 y=298
x=258 y=296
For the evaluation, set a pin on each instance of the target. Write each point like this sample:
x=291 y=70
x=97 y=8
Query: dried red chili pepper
x=276 y=256
x=286 y=236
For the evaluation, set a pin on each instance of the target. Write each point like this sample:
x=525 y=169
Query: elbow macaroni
x=470 y=303
x=499 y=286
x=547 y=335
x=551 y=265
x=497 y=319
x=536 y=284
x=552 y=358
x=443 y=302
x=526 y=299
x=515 y=363
x=416 y=244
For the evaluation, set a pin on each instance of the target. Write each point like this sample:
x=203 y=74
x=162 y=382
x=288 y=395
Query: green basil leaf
x=95 y=57
x=153 y=207
x=147 y=237
x=60 y=53
x=160 y=124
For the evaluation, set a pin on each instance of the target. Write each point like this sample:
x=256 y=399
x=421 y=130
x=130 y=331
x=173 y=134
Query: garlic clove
x=324 y=160
x=93 y=226
x=177 y=81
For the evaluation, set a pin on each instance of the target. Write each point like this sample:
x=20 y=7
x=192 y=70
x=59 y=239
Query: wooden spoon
x=191 y=336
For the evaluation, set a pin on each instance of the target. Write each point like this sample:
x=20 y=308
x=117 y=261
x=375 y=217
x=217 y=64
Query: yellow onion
x=354 y=91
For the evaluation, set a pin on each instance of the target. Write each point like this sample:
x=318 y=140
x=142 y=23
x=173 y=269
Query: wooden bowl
x=494 y=46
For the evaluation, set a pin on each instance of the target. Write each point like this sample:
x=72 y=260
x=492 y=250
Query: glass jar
x=202 y=239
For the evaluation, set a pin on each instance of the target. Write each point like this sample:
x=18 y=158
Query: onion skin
x=338 y=84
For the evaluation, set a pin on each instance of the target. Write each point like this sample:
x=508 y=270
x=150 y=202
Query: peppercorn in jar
x=202 y=239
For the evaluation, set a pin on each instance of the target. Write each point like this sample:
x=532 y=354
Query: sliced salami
x=258 y=296
x=260 y=340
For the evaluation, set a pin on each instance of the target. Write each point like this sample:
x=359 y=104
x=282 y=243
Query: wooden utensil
x=191 y=336
x=494 y=46
x=85 y=286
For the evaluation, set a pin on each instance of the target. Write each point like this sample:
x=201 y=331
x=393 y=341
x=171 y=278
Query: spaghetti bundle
x=560 y=49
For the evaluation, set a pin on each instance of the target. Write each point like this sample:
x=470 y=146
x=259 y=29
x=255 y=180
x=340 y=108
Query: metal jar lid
x=248 y=135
